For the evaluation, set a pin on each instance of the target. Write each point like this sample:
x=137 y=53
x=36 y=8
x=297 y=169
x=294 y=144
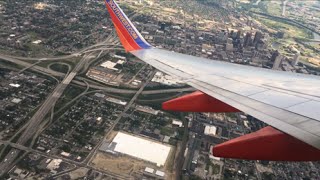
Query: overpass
x=37 y=118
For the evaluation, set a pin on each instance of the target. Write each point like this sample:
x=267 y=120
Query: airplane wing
x=288 y=102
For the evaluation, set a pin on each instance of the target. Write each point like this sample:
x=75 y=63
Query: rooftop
x=141 y=148
x=210 y=130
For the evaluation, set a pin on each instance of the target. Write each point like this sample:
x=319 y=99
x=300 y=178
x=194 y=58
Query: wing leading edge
x=287 y=101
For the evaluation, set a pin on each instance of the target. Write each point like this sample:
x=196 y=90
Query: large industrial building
x=138 y=147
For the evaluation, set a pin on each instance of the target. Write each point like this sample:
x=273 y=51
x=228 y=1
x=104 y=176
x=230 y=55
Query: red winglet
x=267 y=144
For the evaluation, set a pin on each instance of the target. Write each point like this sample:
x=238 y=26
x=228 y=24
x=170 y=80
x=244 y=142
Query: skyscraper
x=257 y=38
x=229 y=45
x=277 y=62
x=275 y=54
x=231 y=34
x=239 y=34
x=295 y=60
x=162 y=26
x=247 y=39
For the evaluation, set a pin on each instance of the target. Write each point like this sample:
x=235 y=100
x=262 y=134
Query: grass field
x=290 y=30
x=273 y=8
x=60 y=67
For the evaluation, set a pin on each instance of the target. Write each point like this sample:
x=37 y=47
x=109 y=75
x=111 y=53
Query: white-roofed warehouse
x=141 y=148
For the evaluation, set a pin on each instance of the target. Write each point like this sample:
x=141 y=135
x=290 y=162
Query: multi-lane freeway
x=33 y=126
x=51 y=156
x=127 y=107
x=79 y=80
x=34 y=123
x=38 y=117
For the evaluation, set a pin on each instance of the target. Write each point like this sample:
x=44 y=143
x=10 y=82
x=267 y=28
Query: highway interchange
x=34 y=126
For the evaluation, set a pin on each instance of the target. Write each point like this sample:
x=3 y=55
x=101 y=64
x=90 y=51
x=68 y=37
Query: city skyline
x=72 y=95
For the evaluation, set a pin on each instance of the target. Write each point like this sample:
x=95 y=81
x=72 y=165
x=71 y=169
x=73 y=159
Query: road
x=99 y=46
x=128 y=91
x=79 y=164
x=52 y=73
x=259 y=177
x=33 y=125
x=34 y=67
x=26 y=68
x=38 y=117
x=179 y=161
x=40 y=114
x=127 y=107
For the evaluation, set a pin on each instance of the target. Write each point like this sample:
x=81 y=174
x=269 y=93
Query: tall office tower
x=247 y=40
x=275 y=54
x=277 y=62
x=257 y=38
x=239 y=34
x=295 y=60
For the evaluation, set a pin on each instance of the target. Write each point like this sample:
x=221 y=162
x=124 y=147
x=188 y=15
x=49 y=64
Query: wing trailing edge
x=198 y=102
x=129 y=36
x=267 y=144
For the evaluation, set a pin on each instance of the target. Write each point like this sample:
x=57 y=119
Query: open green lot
x=290 y=30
